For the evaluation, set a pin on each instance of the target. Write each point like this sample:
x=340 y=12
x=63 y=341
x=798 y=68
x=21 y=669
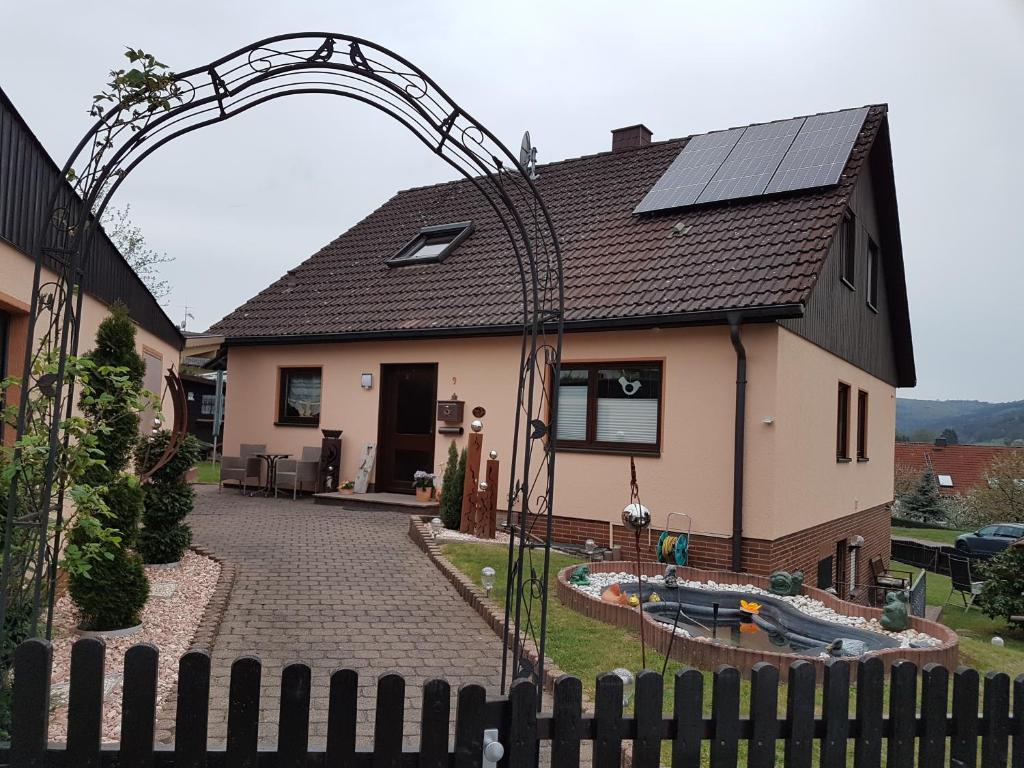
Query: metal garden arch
x=285 y=65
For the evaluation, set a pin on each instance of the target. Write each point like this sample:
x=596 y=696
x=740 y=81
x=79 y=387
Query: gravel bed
x=168 y=623
x=601 y=581
x=446 y=535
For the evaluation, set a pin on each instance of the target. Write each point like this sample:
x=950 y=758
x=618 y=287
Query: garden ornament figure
x=786 y=584
x=896 y=613
x=671 y=580
x=580 y=576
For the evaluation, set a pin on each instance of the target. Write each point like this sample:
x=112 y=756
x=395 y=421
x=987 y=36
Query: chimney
x=631 y=137
x=940 y=442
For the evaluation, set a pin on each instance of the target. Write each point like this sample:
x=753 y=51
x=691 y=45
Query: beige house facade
x=795 y=301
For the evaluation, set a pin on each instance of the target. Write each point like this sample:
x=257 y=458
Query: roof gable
x=761 y=256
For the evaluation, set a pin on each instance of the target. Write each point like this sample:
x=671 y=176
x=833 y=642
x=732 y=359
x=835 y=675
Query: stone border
x=494 y=615
x=217 y=606
x=705 y=655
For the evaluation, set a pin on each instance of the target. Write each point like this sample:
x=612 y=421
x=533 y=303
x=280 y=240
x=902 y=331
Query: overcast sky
x=238 y=204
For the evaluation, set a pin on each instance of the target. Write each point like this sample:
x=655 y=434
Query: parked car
x=990 y=540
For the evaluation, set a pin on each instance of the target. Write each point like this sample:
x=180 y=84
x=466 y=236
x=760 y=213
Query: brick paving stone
x=333 y=587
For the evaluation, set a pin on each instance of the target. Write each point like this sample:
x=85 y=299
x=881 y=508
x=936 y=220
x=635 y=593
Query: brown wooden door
x=408 y=412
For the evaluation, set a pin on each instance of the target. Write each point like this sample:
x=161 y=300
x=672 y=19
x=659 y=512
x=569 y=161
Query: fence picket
x=963 y=747
x=996 y=708
x=191 y=720
x=764 y=715
x=608 y=722
x=244 y=713
x=1017 y=753
x=437 y=701
x=85 y=702
x=725 y=711
x=33 y=661
x=521 y=742
x=389 y=721
x=469 y=727
x=647 y=712
x=867 y=750
x=567 y=710
x=835 y=709
x=293 y=720
x=931 y=750
x=138 y=705
x=902 y=713
x=689 y=716
x=800 y=715
x=341 y=718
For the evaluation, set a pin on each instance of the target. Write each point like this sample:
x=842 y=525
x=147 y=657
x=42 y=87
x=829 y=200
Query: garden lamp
x=435 y=526
x=628 y=684
x=487 y=579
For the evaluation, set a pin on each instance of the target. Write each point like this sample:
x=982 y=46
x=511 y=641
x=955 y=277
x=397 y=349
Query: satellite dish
x=528 y=156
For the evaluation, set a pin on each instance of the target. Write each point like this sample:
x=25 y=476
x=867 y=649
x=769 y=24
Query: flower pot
x=424 y=494
x=346 y=490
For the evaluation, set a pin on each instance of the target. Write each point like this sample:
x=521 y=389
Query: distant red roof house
x=958 y=469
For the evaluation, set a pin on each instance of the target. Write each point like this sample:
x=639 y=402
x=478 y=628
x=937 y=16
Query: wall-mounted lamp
x=366 y=381
x=768 y=420
x=856 y=542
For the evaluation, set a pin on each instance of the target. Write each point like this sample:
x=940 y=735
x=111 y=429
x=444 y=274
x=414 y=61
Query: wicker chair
x=242 y=468
x=299 y=474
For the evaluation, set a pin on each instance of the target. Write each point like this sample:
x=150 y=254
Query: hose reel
x=674 y=547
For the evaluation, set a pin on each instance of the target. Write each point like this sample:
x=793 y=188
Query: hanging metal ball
x=493 y=454
x=476 y=425
x=636 y=517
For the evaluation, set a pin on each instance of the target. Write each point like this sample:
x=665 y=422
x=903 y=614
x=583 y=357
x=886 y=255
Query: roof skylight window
x=946 y=481
x=432 y=244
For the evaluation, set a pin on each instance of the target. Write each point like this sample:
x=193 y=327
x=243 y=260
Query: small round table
x=270 y=459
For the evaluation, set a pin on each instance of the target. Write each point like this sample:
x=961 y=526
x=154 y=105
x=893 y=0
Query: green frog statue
x=786 y=584
x=580 y=576
x=896 y=612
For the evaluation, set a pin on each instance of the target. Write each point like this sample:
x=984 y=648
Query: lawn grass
x=976 y=630
x=209 y=473
x=940 y=535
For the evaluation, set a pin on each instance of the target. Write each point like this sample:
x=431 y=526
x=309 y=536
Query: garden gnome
x=671 y=580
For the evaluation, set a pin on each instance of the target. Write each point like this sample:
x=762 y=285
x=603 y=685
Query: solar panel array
x=783 y=156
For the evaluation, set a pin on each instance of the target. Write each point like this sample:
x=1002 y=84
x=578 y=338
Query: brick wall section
x=706 y=655
x=797 y=551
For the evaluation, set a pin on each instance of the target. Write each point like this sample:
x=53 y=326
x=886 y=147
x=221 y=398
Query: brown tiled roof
x=759 y=253
x=965 y=464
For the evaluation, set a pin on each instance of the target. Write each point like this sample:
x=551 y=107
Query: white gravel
x=168 y=623
x=601 y=581
x=446 y=535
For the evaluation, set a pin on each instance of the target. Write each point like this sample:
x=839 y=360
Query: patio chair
x=299 y=474
x=963 y=581
x=242 y=468
x=886 y=579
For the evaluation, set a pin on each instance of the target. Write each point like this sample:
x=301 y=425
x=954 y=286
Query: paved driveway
x=335 y=588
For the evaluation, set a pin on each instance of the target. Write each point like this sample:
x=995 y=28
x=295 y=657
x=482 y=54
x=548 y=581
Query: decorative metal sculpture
x=636 y=517
x=140 y=122
x=179 y=430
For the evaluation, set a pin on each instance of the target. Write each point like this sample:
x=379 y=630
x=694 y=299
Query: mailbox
x=450 y=411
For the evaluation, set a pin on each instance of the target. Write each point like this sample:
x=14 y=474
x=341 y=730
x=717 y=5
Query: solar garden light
x=435 y=526
x=589 y=546
x=483 y=486
x=628 y=684
x=487 y=579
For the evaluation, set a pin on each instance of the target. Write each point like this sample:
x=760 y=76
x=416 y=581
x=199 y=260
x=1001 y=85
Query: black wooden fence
x=919 y=727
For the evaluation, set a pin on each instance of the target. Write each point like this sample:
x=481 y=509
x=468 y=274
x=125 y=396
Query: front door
x=408 y=412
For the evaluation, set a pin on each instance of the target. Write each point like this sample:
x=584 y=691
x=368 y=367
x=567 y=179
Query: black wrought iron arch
x=286 y=65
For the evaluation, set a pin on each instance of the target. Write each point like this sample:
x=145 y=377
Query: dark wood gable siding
x=838 y=319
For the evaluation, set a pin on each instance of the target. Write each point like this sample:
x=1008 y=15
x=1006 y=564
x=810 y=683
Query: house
x=958 y=469
x=27 y=174
x=691 y=282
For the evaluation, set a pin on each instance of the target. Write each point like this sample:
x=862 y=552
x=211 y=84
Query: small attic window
x=946 y=481
x=432 y=244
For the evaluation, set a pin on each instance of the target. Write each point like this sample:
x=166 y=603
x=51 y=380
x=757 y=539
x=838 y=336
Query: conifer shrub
x=450 y=505
x=168 y=499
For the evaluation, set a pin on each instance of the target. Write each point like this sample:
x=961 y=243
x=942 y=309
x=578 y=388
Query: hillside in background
x=972 y=420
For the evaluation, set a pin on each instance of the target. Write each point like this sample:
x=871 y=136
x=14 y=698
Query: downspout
x=740 y=427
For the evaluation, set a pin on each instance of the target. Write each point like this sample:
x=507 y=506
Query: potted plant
x=347 y=487
x=423 y=482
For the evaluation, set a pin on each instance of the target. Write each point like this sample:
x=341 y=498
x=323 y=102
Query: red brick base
x=796 y=551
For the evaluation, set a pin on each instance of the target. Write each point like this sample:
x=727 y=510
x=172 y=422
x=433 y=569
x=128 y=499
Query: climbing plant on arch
x=150 y=107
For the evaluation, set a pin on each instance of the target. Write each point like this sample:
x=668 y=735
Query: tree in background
x=450 y=505
x=902 y=437
x=168 y=498
x=111 y=591
x=1001 y=499
x=923 y=504
x=1003 y=593
x=127 y=237
x=906 y=479
x=950 y=436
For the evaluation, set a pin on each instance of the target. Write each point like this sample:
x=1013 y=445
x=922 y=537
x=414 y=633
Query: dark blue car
x=990 y=540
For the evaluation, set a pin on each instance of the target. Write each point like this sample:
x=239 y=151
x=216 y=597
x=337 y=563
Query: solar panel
x=820 y=151
x=752 y=162
x=690 y=172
